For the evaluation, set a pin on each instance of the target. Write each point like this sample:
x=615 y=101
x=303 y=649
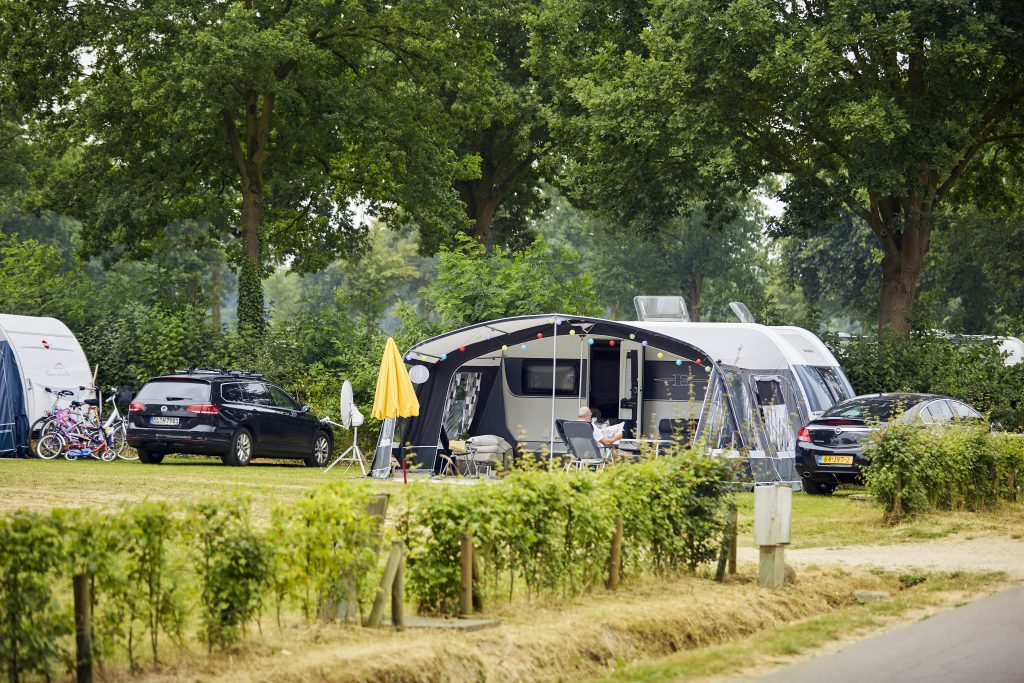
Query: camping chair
x=579 y=439
x=678 y=430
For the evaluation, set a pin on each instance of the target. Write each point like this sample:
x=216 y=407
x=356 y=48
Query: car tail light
x=203 y=409
x=803 y=435
x=136 y=406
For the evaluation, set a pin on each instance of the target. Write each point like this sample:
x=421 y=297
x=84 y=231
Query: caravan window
x=536 y=378
x=825 y=386
x=462 y=402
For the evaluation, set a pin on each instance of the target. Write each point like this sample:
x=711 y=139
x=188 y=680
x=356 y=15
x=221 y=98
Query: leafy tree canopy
x=879 y=109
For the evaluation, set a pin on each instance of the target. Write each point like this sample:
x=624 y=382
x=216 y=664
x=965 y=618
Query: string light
x=660 y=354
x=522 y=347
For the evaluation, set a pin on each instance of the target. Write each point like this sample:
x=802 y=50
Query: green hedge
x=159 y=571
x=540 y=532
x=925 y=362
x=958 y=468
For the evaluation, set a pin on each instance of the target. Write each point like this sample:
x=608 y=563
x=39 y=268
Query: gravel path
x=965 y=553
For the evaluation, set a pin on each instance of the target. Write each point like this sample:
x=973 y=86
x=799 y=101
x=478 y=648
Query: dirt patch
x=535 y=642
x=975 y=552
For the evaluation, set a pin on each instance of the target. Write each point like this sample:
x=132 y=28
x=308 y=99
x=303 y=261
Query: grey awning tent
x=490 y=351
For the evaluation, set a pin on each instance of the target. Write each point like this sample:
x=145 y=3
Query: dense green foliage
x=958 y=468
x=159 y=571
x=972 y=370
x=552 y=532
x=473 y=286
x=879 y=109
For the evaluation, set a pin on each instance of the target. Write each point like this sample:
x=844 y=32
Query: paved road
x=981 y=642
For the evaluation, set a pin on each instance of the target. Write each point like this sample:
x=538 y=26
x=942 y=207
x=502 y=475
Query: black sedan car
x=830 y=448
x=237 y=416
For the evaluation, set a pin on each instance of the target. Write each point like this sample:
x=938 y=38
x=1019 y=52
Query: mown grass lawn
x=45 y=484
x=846 y=518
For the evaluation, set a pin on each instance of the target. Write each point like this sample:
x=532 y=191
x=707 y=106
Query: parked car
x=830 y=448
x=235 y=415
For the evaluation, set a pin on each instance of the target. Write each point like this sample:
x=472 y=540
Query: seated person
x=587 y=415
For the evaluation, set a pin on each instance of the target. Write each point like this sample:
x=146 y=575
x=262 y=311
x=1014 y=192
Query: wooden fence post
x=398 y=592
x=386 y=583
x=478 y=598
x=83 y=629
x=727 y=553
x=734 y=524
x=615 y=561
x=466 y=594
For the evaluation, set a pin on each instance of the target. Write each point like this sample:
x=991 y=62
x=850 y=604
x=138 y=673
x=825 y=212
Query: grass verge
x=781 y=644
x=577 y=638
x=842 y=520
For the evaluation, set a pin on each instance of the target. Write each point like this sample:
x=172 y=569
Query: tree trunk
x=694 y=291
x=216 y=285
x=905 y=237
x=250 y=279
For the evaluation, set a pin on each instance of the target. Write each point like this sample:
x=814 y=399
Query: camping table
x=657 y=443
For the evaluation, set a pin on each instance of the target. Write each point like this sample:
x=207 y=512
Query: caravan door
x=631 y=379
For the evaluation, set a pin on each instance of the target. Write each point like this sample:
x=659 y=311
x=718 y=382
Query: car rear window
x=174 y=392
x=882 y=408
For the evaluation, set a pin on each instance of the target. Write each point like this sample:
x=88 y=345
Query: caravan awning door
x=631 y=382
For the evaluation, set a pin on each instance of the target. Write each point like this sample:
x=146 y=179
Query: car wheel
x=240 y=454
x=815 y=488
x=149 y=457
x=321 y=451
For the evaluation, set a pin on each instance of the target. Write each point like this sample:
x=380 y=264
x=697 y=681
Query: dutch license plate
x=835 y=459
x=166 y=421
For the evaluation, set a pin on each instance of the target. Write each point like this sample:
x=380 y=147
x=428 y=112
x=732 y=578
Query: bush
x=316 y=549
x=929 y=363
x=552 y=531
x=957 y=468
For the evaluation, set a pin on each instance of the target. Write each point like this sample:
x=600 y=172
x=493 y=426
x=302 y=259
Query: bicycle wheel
x=120 y=433
x=50 y=446
x=39 y=429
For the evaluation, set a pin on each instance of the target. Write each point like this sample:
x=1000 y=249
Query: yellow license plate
x=835 y=459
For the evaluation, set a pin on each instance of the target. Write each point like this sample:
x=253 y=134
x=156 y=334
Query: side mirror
x=995 y=426
x=304 y=409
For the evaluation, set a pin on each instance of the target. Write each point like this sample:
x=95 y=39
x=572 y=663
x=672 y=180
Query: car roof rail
x=220 y=371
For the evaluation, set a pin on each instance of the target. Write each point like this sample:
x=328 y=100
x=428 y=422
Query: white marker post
x=773 y=508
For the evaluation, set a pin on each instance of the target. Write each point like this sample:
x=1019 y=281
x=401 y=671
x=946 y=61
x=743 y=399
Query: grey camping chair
x=579 y=439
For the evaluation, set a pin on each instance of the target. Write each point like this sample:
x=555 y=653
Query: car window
x=233 y=392
x=257 y=393
x=962 y=411
x=881 y=408
x=936 y=412
x=174 y=392
x=281 y=398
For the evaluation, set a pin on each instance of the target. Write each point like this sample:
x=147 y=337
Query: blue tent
x=13 y=410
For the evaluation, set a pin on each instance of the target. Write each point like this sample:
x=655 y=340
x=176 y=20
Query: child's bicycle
x=78 y=436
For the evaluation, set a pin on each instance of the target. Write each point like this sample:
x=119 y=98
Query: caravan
x=35 y=354
x=737 y=387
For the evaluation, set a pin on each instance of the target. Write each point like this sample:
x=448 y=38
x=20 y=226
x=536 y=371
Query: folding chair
x=579 y=439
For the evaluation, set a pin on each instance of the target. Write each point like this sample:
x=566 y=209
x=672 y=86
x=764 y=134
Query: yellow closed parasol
x=395 y=395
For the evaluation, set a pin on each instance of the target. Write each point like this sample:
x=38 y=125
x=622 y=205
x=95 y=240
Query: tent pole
x=554 y=373
x=579 y=401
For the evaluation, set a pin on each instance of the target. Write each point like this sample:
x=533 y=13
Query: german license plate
x=835 y=459
x=166 y=421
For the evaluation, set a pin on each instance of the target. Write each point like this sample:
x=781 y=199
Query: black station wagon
x=235 y=415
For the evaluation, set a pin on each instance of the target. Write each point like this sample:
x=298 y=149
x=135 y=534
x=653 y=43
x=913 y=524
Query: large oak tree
x=880 y=108
x=273 y=120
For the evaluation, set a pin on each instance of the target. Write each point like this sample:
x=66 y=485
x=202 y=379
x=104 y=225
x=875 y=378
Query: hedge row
x=159 y=571
x=959 y=468
x=540 y=532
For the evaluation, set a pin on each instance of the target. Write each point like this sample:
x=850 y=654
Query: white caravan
x=35 y=354
x=734 y=386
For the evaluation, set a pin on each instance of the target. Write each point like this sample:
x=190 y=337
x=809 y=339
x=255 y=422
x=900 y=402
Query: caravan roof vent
x=661 y=308
x=742 y=312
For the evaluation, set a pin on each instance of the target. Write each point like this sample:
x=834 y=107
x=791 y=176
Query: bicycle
x=76 y=439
